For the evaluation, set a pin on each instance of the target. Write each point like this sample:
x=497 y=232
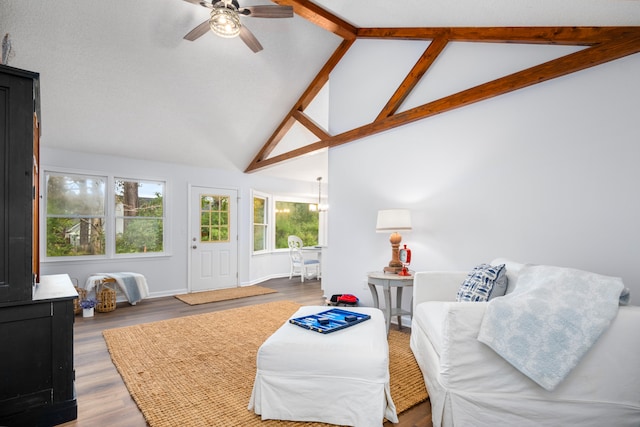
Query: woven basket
x=106 y=297
x=82 y=294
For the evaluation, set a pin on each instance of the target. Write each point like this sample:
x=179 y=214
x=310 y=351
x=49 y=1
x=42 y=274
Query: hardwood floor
x=103 y=399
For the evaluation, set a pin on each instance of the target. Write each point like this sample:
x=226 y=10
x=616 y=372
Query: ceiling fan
x=225 y=20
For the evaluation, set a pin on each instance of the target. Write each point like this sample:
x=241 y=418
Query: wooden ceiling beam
x=307 y=149
x=414 y=76
x=604 y=44
x=312 y=126
x=586 y=58
x=323 y=75
x=276 y=137
x=303 y=102
x=536 y=35
x=321 y=17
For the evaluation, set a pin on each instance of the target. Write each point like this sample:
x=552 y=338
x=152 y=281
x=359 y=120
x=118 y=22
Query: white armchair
x=470 y=384
x=299 y=263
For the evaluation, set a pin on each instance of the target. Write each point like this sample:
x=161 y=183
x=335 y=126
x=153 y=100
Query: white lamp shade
x=391 y=220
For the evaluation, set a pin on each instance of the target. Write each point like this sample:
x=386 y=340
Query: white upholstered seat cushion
x=340 y=378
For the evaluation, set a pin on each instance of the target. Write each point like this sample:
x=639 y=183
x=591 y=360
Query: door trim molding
x=190 y=187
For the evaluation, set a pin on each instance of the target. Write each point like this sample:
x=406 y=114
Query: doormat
x=224 y=294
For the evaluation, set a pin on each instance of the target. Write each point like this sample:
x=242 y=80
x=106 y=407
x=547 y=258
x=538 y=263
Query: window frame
x=45 y=216
x=266 y=225
x=109 y=219
x=115 y=217
x=271 y=219
x=290 y=199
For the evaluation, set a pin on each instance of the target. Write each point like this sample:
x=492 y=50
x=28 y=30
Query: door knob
x=194 y=247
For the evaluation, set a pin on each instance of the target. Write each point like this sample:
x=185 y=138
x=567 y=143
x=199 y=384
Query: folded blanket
x=133 y=285
x=550 y=320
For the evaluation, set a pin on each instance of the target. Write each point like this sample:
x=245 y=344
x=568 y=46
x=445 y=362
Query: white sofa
x=471 y=385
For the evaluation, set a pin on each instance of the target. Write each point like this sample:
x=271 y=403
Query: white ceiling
x=117 y=77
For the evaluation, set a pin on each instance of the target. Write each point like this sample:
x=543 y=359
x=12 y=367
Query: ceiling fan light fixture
x=225 y=21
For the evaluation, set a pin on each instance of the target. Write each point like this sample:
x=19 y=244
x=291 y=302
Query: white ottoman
x=339 y=378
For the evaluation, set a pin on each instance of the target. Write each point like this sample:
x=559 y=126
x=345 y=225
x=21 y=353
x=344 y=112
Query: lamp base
x=394 y=270
x=404 y=272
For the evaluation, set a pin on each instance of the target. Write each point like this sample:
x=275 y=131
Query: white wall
x=168 y=275
x=548 y=174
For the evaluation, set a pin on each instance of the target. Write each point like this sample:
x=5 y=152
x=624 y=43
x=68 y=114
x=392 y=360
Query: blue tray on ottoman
x=330 y=320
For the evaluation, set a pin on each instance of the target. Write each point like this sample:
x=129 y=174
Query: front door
x=213 y=240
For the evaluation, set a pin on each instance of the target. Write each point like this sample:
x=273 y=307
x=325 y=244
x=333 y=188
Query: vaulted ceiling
x=118 y=78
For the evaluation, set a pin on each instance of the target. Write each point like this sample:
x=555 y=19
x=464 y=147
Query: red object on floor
x=347 y=299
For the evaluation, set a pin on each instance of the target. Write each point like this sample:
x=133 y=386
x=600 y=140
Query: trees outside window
x=259 y=224
x=75 y=215
x=295 y=218
x=139 y=215
x=274 y=220
x=80 y=223
x=214 y=218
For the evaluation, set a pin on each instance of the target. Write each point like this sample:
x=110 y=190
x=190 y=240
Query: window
x=79 y=222
x=214 y=218
x=259 y=223
x=75 y=215
x=296 y=218
x=139 y=216
x=275 y=219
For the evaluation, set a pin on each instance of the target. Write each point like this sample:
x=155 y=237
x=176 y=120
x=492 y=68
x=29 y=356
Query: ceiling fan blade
x=198 y=31
x=250 y=40
x=202 y=3
x=267 y=11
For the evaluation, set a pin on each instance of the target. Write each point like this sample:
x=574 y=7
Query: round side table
x=388 y=281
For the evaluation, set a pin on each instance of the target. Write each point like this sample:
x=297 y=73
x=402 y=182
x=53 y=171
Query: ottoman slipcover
x=339 y=378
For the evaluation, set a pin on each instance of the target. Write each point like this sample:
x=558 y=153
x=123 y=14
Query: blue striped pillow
x=483 y=283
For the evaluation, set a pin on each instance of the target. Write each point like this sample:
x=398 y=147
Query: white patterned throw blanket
x=133 y=285
x=552 y=318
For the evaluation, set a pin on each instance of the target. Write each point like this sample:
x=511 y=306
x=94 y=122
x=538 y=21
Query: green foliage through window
x=259 y=224
x=139 y=208
x=297 y=219
x=214 y=218
x=77 y=218
x=75 y=214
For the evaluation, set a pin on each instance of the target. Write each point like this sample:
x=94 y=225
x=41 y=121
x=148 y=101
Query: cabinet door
x=27 y=357
x=16 y=184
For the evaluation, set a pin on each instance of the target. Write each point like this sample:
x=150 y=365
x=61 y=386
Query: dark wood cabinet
x=17 y=100
x=36 y=322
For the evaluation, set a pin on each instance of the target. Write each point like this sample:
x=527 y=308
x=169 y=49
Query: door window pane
x=214 y=218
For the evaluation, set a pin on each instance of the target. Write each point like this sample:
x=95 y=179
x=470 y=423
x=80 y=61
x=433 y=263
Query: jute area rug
x=199 y=370
x=224 y=294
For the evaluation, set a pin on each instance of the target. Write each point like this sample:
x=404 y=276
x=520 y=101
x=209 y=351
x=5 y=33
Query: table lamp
x=393 y=221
